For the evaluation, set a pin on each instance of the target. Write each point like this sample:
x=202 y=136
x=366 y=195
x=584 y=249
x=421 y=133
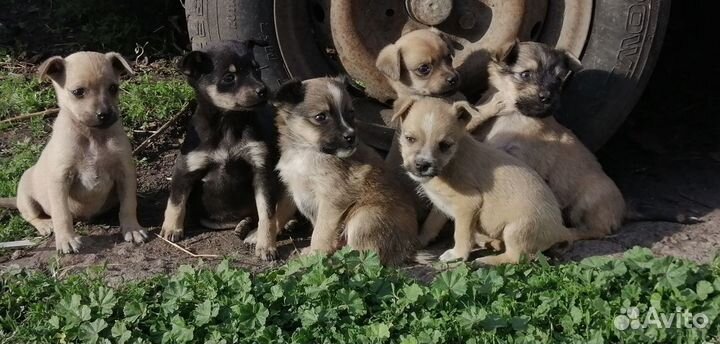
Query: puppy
x=225 y=169
x=338 y=183
x=527 y=79
x=419 y=63
x=86 y=168
x=483 y=189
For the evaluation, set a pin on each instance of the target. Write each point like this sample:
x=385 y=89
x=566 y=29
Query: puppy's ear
x=401 y=108
x=388 y=61
x=119 y=64
x=53 y=68
x=464 y=111
x=252 y=43
x=195 y=64
x=508 y=54
x=448 y=41
x=572 y=62
x=291 y=92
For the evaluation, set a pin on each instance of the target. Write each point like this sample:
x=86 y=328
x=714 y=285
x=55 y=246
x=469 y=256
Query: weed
x=351 y=298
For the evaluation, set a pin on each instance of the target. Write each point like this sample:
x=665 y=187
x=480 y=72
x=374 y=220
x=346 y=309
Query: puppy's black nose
x=422 y=166
x=104 y=116
x=452 y=80
x=349 y=137
x=261 y=91
x=545 y=97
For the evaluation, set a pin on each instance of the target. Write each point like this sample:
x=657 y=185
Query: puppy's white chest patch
x=296 y=171
x=439 y=201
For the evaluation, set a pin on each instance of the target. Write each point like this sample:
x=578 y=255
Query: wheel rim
x=321 y=37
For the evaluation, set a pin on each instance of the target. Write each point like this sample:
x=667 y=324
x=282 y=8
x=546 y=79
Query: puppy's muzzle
x=105 y=119
x=424 y=168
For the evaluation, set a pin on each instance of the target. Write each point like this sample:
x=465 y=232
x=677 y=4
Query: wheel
x=618 y=43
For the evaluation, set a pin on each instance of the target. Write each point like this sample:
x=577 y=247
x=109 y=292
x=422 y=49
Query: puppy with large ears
x=419 y=63
x=483 y=189
x=527 y=79
x=337 y=182
x=86 y=168
x=225 y=172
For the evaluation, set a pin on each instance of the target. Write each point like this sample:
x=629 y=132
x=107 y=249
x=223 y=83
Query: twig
x=186 y=250
x=44 y=113
x=163 y=128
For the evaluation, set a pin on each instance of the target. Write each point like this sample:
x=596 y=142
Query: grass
x=146 y=101
x=350 y=298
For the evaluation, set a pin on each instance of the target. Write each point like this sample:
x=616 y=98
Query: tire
x=622 y=48
x=216 y=20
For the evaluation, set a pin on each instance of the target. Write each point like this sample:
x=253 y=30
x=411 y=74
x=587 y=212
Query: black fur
x=240 y=144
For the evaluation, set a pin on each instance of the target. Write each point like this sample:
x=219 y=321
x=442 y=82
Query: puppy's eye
x=424 y=69
x=321 y=117
x=524 y=75
x=445 y=146
x=113 y=89
x=78 y=92
x=228 y=78
x=410 y=139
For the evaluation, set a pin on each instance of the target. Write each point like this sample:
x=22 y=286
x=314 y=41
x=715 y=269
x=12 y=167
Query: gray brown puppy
x=338 y=183
x=86 y=168
x=526 y=79
x=483 y=189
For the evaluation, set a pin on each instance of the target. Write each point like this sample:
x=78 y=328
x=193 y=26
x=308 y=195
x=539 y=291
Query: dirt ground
x=666 y=158
x=674 y=183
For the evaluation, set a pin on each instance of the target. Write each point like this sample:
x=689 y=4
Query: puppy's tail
x=633 y=213
x=423 y=257
x=9 y=203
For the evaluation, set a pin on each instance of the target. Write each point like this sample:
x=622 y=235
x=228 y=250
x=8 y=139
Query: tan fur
x=484 y=190
x=400 y=61
x=590 y=200
x=352 y=199
x=82 y=171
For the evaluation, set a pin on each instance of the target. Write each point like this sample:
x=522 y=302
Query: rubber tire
x=216 y=20
x=625 y=40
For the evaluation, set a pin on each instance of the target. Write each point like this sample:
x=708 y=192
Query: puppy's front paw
x=134 y=233
x=67 y=243
x=450 y=256
x=43 y=226
x=251 y=238
x=172 y=234
x=266 y=253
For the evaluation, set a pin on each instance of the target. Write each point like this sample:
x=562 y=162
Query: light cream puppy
x=526 y=80
x=341 y=185
x=419 y=64
x=483 y=189
x=86 y=168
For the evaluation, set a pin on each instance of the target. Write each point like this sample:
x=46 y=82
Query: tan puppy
x=419 y=63
x=338 y=183
x=527 y=79
x=87 y=166
x=483 y=189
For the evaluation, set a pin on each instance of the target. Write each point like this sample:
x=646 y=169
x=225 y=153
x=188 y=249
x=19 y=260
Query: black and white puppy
x=225 y=172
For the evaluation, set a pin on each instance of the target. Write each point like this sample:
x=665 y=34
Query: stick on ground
x=186 y=250
x=164 y=127
x=44 y=113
